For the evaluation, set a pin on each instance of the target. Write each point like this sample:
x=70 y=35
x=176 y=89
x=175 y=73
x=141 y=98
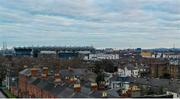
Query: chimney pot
x=94 y=86
x=34 y=72
x=25 y=66
x=45 y=70
x=57 y=78
x=77 y=88
x=44 y=76
x=104 y=94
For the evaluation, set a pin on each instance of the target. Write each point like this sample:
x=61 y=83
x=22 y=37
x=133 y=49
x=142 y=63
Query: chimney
x=77 y=88
x=94 y=86
x=70 y=69
x=104 y=94
x=25 y=66
x=57 y=78
x=45 y=70
x=101 y=85
x=34 y=72
x=73 y=79
x=44 y=76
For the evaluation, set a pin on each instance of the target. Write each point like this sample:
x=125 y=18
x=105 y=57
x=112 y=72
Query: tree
x=98 y=67
x=100 y=78
x=2 y=73
x=108 y=66
x=166 y=76
x=104 y=65
x=161 y=90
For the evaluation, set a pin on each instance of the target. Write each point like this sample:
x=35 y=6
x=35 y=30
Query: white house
x=174 y=61
x=117 y=82
x=101 y=56
x=124 y=72
x=174 y=89
x=175 y=95
x=135 y=73
x=128 y=71
x=158 y=55
x=124 y=77
x=172 y=55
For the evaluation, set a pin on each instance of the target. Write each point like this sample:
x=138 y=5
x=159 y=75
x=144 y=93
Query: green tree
x=104 y=65
x=100 y=78
x=98 y=67
x=108 y=66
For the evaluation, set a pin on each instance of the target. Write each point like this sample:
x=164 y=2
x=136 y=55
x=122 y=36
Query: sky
x=98 y=23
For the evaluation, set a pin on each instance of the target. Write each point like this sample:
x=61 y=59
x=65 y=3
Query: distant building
x=174 y=71
x=159 y=69
x=47 y=54
x=158 y=55
x=124 y=72
x=67 y=55
x=101 y=56
x=108 y=50
x=128 y=71
x=122 y=80
x=138 y=50
x=11 y=78
x=171 y=55
x=23 y=51
x=146 y=54
x=118 y=82
x=174 y=61
x=62 y=52
x=7 y=52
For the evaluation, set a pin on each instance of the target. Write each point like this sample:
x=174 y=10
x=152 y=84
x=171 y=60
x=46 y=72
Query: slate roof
x=131 y=67
x=79 y=95
x=121 y=79
x=174 y=87
x=85 y=90
x=96 y=94
x=73 y=72
x=65 y=90
x=25 y=72
x=57 y=91
x=140 y=81
x=159 y=82
x=42 y=84
x=35 y=82
x=110 y=94
x=32 y=79
x=49 y=87
x=113 y=93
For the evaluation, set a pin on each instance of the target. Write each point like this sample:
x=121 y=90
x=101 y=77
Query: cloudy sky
x=101 y=23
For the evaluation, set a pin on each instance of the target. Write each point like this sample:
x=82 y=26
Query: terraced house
x=36 y=82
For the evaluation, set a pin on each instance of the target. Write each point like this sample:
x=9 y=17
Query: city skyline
x=102 y=24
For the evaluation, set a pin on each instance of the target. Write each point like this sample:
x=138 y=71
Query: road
x=2 y=95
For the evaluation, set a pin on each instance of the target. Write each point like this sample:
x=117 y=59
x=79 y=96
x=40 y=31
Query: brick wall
x=22 y=85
